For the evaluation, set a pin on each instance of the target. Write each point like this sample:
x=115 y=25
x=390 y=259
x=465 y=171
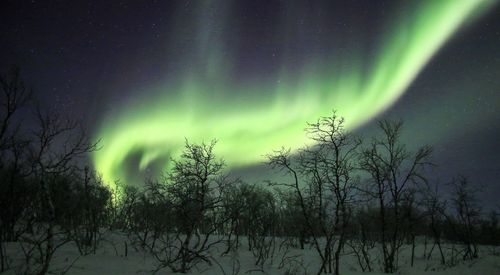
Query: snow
x=110 y=259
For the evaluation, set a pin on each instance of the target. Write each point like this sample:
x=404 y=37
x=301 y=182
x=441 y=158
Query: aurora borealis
x=143 y=76
x=250 y=118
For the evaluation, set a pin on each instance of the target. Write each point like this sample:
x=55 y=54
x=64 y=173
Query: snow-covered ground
x=110 y=259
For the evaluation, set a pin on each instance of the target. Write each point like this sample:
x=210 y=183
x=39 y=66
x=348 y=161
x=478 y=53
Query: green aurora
x=252 y=118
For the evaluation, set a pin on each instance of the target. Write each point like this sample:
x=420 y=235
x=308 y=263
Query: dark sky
x=95 y=59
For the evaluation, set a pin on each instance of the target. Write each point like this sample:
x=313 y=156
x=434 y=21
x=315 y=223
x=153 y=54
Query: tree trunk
x=412 y=249
x=49 y=248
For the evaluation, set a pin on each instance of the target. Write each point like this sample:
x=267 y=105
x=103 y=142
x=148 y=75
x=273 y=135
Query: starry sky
x=145 y=75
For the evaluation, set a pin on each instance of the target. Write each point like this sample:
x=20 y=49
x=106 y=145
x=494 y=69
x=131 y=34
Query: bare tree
x=392 y=169
x=412 y=220
x=434 y=210
x=467 y=215
x=194 y=187
x=87 y=209
x=292 y=221
x=13 y=97
x=57 y=145
x=363 y=240
x=234 y=201
x=32 y=158
x=327 y=171
x=261 y=215
x=14 y=199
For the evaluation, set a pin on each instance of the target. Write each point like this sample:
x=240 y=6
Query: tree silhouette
x=392 y=169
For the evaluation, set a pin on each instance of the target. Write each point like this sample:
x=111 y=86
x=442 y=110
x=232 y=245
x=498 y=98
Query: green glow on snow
x=250 y=119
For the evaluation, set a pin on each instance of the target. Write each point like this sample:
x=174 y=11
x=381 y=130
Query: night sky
x=145 y=75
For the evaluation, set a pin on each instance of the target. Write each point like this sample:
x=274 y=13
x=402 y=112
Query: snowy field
x=117 y=255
